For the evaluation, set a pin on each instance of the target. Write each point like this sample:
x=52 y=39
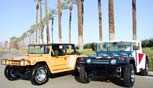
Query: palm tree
x=59 y=20
x=47 y=25
x=134 y=20
x=13 y=42
x=100 y=20
x=41 y=23
x=70 y=20
x=111 y=20
x=37 y=8
x=51 y=17
x=80 y=24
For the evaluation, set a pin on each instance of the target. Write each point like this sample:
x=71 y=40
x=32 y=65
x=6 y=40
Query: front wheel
x=9 y=73
x=39 y=75
x=129 y=75
x=83 y=74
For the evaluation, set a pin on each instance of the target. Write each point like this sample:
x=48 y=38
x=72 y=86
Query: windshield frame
x=43 y=49
x=108 y=46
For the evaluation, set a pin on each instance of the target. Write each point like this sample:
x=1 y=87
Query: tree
x=70 y=20
x=37 y=8
x=59 y=20
x=13 y=42
x=61 y=5
x=41 y=23
x=111 y=20
x=100 y=20
x=6 y=44
x=80 y=23
x=134 y=19
x=51 y=17
x=69 y=5
x=47 y=25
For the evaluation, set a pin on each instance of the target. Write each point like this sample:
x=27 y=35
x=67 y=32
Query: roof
x=122 y=41
x=51 y=44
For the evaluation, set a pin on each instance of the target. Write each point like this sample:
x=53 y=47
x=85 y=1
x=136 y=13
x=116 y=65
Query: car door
x=59 y=57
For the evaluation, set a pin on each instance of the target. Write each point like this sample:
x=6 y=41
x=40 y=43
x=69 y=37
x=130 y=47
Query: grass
x=149 y=52
x=87 y=52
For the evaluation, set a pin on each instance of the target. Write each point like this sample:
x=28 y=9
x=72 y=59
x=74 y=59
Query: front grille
x=100 y=61
x=14 y=62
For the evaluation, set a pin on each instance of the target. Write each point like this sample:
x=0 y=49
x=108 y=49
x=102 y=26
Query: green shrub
x=149 y=52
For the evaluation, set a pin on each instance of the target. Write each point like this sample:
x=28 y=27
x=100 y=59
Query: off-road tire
x=145 y=71
x=83 y=75
x=128 y=75
x=39 y=74
x=9 y=74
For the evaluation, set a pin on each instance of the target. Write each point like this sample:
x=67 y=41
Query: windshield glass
x=38 y=50
x=114 y=46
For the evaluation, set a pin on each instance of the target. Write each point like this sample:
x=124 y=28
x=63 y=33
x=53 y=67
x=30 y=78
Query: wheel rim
x=132 y=75
x=40 y=75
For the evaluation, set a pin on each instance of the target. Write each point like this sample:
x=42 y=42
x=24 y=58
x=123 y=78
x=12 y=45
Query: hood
x=26 y=57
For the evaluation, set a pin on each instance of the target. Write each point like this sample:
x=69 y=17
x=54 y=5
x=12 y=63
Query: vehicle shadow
x=52 y=76
x=113 y=80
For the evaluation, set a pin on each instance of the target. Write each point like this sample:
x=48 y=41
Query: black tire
x=39 y=75
x=145 y=71
x=9 y=73
x=128 y=75
x=83 y=75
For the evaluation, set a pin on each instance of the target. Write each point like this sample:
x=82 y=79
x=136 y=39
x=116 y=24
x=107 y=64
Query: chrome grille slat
x=14 y=62
x=100 y=61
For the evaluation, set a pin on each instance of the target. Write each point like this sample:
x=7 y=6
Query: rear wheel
x=129 y=75
x=9 y=73
x=145 y=71
x=39 y=75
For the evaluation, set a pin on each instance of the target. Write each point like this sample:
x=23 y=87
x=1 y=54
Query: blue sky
x=18 y=15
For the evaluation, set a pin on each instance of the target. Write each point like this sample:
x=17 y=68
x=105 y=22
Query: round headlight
x=22 y=62
x=88 y=60
x=113 y=61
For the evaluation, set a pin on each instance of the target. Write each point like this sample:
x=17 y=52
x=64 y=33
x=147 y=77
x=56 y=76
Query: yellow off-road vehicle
x=41 y=61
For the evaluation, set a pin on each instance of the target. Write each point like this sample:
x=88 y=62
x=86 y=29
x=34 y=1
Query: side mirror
x=135 y=47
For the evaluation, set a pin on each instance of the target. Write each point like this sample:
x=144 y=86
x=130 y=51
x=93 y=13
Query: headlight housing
x=88 y=60
x=113 y=61
x=22 y=62
x=4 y=61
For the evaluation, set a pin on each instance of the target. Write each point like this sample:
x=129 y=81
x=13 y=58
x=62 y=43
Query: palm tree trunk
x=80 y=24
x=59 y=21
x=37 y=7
x=52 y=30
x=47 y=26
x=70 y=19
x=100 y=20
x=111 y=20
x=41 y=23
x=134 y=20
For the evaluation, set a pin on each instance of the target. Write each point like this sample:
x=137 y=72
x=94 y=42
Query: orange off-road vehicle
x=41 y=61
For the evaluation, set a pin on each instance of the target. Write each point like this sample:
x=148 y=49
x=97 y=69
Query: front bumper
x=15 y=62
